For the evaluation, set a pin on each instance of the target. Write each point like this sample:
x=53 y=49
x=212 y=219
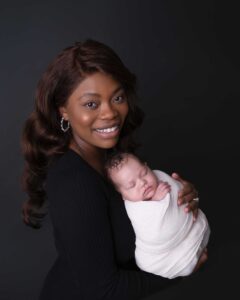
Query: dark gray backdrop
x=186 y=57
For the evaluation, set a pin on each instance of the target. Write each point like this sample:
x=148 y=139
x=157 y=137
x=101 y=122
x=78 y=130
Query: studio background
x=186 y=57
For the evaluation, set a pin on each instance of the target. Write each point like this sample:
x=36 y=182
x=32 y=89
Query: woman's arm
x=80 y=217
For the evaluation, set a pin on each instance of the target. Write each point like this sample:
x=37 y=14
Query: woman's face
x=96 y=110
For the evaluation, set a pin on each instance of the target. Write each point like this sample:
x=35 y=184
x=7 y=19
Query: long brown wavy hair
x=42 y=138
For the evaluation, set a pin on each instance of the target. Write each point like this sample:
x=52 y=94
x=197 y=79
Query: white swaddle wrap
x=168 y=242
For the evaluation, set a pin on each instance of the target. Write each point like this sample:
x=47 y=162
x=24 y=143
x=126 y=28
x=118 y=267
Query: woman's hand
x=188 y=194
x=202 y=259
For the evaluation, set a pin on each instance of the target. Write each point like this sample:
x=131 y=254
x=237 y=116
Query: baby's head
x=131 y=177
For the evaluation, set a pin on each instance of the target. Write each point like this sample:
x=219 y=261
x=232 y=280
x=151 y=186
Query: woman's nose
x=108 y=111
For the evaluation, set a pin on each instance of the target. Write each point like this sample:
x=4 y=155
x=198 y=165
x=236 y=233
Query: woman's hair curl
x=42 y=138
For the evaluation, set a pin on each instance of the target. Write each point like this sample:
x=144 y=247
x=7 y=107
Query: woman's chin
x=108 y=143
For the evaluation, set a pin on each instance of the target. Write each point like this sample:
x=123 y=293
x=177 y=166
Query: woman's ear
x=63 y=113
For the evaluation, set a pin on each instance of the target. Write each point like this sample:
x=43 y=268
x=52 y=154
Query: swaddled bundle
x=168 y=241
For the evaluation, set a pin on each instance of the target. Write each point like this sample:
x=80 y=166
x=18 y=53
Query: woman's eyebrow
x=119 y=88
x=89 y=94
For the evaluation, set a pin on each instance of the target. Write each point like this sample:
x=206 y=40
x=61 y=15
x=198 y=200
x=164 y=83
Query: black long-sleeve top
x=94 y=238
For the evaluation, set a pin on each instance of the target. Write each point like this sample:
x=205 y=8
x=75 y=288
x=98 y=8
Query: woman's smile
x=108 y=131
x=96 y=111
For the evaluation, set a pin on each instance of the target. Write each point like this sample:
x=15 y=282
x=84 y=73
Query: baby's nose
x=143 y=182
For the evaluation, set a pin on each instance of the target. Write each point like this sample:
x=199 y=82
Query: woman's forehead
x=97 y=83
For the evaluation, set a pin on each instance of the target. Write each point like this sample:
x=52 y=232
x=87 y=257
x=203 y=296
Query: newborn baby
x=169 y=242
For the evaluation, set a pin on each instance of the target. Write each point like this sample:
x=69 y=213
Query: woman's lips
x=108 y=132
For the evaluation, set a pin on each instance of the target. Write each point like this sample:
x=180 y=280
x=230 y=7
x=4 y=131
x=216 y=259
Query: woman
x=85 y=108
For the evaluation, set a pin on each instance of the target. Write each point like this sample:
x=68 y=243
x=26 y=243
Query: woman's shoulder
x=69 y=165
x=65 y=163
x=72 y=168
x=70 y=176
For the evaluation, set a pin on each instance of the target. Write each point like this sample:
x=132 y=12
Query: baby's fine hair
x=116 y=160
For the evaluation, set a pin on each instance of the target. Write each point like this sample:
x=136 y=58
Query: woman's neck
x=94 y=156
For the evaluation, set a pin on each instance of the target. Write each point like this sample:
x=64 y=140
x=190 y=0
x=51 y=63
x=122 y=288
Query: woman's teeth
x=107 y=130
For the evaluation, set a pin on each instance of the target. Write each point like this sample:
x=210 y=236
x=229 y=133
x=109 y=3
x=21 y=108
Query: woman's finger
x=193 y=207
x=203 y=258
x=188 y=197
x=179 y=178
x=187 y=186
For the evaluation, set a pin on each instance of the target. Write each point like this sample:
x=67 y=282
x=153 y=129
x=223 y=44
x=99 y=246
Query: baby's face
x=134 y=180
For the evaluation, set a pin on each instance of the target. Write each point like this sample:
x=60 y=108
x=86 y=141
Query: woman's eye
x=119 y=99
x=91 y=105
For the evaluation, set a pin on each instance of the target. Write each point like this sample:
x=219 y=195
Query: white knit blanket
x=168 y=242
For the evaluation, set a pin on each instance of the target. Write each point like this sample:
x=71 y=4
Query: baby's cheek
x=154 y=184
x=138 y=196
